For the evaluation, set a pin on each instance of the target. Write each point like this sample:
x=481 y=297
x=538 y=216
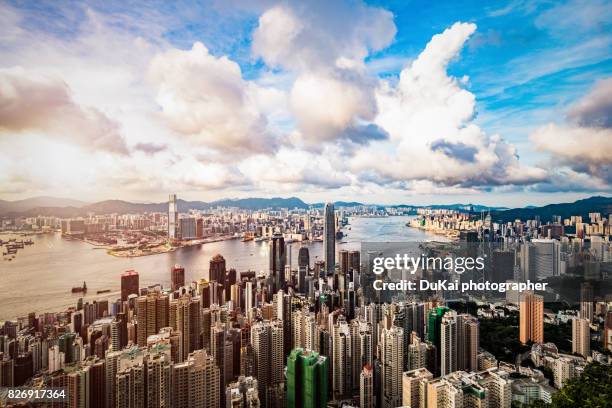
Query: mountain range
x=64 y=207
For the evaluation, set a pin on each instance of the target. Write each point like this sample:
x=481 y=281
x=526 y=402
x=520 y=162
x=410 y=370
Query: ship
x=80 y=289
x=102 y=291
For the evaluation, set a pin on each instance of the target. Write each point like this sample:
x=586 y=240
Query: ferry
x=79 y=289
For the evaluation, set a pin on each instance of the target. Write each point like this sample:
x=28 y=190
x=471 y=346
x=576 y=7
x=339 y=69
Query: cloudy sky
x=386 y=102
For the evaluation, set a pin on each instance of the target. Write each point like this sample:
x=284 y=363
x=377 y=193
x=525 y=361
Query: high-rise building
x=467 y=342
x=414 y=387
x=187 y=228
x=152 y=313
x=391 y=359
x=434 y=323
x=177 y=277
x=607 y=340
x=185 y=317
x=329 y=238
x=172 y=217
x=342 y=360
x=586 y=301
x=195 y=382
x=277 y=263
x=581 y=337
x=130 y=284
x=366 y=387
x=448 y=343
x=243 y=393
x=216 y=271
x=303 y=266
x=531 y=318
x=307 y=373
x=268 y=355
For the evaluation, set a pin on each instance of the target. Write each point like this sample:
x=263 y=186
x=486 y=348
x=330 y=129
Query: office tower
x=195 y=382
x=448 y=343
x=502 y=265
x=547 y=258
x=467 y=342
x=268 y=355
x=414 y=387
x=173 y=232
x=177 y=277
x=342 y=360
x=187 y=321
x=531 y=316
x=434 y=322
x=129 y=284
x=303 y=266
x=391 y=359
x=329 y=239
x=277 y=263
x=204 y=292
x=306 y=379
x=217 y=269
x=581 y=337
x=152 y=313
x=527 y=262
x=187 y=228
x=366 y=387
x=586 y=301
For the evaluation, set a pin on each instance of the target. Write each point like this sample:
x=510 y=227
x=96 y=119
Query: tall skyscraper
x=172 y=217
x=581 y=336
x=531 y=317
x=177 y=277
x=467 y=342
x=366 y=387
x=307 y=373
x=329 y=238
x=434 y=323
x=268 y=354
x=277 y=263
x=185 y=317
x=391 y=359
x=152 y=314
x=586 y=301
x=195 y=382
x=303 y=266
x=129 y=284
x=342 y=360
x=448 y=343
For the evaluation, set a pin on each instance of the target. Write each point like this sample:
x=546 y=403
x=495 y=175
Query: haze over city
x=506 y=104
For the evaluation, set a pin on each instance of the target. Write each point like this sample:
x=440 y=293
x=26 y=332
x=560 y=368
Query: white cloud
x=205 y=98
x=30 y=102
x=428 y=116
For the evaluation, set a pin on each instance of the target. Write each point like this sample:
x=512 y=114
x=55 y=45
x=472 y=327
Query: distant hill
x=34 y=202
x=63 y=207
x=581 y=207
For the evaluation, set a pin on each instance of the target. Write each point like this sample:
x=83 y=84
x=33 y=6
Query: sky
x=416 y=102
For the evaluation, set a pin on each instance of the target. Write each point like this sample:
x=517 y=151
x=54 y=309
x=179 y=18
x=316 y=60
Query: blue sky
x=516 y=83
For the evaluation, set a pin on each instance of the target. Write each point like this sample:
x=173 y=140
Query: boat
x=102 y=291
x=80 y=289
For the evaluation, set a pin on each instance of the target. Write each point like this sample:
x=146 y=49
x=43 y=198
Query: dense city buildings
x=302 y=335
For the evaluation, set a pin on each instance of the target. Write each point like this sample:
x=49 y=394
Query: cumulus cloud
x=324 y=45
x=584 y=143
x=429 y=118
x=31 y=102
x=595 y=108
x=150 y=148
x=205 y=98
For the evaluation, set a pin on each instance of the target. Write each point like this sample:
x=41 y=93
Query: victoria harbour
x=53 y=265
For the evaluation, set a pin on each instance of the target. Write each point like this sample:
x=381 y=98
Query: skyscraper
x=467 y=342
x=531 y=317
x=152 y=315
x=329 y=238
x=129 y=284
x=172 y=217
x=414 y=387
x=581 y=337
x=448 y=343
x=177 y=277
x=391 y=359
x=267 y=343
x=586 y=301
x=366 y=387
x=277 y=262
x=306 y=379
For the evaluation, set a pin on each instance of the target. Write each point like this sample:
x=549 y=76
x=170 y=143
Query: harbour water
x=41 y=276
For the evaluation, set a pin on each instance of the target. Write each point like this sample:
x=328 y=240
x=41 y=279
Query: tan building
x=581 y=337
x=414 y=387
x=531 y=316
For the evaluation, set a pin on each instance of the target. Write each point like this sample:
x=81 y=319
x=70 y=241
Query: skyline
x=380 y=103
